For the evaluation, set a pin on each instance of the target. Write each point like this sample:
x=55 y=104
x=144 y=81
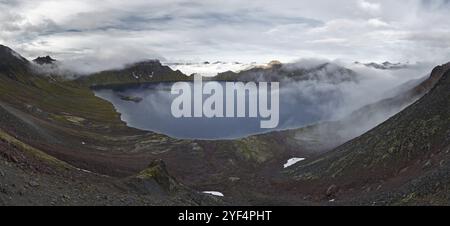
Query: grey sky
x=116 y=31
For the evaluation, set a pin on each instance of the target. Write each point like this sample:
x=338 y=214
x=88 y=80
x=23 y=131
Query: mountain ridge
x=278 y=72
x=136 y=73
x=406 y=146
x=11 y=63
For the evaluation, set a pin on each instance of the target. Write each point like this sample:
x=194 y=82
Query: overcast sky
x=231 y=30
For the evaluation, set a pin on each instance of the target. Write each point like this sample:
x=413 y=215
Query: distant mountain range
x=154 y=71
x=276 y=71
x=385 y=65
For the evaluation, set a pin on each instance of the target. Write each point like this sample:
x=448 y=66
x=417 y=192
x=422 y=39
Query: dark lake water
x=148 y=107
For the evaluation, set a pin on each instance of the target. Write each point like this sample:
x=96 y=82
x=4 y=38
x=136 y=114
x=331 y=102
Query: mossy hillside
x=156 y=171
x=255 y=149
x=63 y=101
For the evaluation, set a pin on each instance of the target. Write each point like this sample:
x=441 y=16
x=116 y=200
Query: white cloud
x=227 y=30
x=376 y=22
x=369 y=6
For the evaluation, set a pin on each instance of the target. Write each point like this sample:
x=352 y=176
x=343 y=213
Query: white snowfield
x=293 y=161
x=215 y=193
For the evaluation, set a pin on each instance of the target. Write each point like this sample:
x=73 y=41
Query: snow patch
x=215 y=193
x=83 y=170
x=292 y=161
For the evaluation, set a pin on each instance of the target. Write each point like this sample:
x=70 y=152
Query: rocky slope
x=59 y=144
x=402 y=161
x=12 y=64
x=325 y=136
x=31 y=177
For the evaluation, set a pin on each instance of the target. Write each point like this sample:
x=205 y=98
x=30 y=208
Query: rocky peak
x=44 y=60
x=275 y=64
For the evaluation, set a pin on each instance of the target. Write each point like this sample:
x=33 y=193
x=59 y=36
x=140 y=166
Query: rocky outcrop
x=155 y=174
x=44 y=60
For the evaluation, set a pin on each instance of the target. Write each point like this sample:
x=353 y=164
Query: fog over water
x=153 y=113
x=302 y=103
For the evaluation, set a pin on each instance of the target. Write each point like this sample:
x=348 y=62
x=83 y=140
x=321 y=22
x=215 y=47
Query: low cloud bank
x=351 y=108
